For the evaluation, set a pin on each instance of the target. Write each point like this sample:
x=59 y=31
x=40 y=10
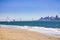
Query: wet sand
x=21 y=34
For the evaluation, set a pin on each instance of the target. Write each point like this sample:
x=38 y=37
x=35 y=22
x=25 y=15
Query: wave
x=48 y=31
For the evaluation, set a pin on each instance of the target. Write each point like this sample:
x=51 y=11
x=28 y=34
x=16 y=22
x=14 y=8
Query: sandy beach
x=21 y=34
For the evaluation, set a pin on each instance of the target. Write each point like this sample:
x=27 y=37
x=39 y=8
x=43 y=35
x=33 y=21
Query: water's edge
x=48 y=31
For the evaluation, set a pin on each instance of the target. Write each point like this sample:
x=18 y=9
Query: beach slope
x=21 y=34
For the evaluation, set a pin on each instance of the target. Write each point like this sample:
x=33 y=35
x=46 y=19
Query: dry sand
x=19 y=34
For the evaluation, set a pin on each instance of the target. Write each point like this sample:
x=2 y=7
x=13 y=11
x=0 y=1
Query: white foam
x=47 y=31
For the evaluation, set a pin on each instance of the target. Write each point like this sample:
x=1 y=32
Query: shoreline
x=23 y=34
x=55 y=32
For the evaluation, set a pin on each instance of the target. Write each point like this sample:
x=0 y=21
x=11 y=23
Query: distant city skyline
x=48 y=18
x=28 y=9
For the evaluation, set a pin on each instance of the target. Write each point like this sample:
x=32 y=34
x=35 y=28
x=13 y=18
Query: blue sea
x=51 y=28
x=47 y=24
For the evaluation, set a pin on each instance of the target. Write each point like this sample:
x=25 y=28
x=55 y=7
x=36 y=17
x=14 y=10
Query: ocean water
x=51 y=28
x=47 y=24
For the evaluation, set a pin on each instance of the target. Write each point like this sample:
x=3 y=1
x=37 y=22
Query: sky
x=28 y=9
